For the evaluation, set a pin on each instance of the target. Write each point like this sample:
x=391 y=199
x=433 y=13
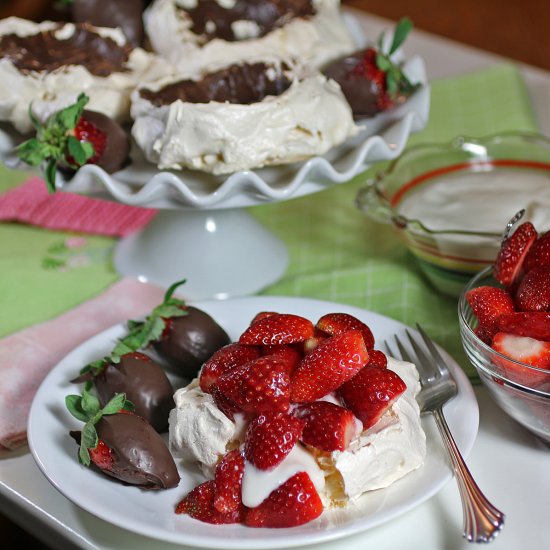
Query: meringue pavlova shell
x=306 y=119
x=206 y=34
x=49 y=64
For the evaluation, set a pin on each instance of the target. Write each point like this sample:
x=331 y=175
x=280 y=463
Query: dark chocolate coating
x=140 y=455
x=267 y=14
x=43 y=52
x=117 y=150
x=242 y=84
x=145 y=384
x=361 y=94
x=190 y=340
x=126 y=14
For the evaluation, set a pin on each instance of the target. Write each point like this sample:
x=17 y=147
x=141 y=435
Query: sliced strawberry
x=534 y=324
x=228 y=407
x=280 y=328
x=292 y=355
x=328 y=366
x=485 y=334
x=378 y=359
x=526 y=350
x=261 y=315
x=295 y=502
x=102 y=456
x=228 y=482
x=539 y=254
x=371 y=392
x=329 y=427
x=270 y=437
x=260 y=385
x=338 y=323
x=199 y=504
x=512 y=253
x=533 y=293
x=224 y=360
x=488 y=303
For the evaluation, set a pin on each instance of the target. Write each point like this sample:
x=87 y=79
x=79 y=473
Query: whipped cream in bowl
x=48 y=64
x=269 y=115
x=451 y=201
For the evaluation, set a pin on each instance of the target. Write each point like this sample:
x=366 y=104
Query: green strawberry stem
x=142 y=333
x=87 y=409
x=396 y=81
x=55 y=142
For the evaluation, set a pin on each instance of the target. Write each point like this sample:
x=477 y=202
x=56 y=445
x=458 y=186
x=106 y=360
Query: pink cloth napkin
x=27 y=356
x=31 y=203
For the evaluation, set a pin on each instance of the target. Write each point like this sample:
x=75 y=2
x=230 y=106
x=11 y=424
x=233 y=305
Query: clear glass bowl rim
x=456 y=144
x=488 y=350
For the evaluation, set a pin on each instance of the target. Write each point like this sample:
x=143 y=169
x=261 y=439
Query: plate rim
x=287 y=539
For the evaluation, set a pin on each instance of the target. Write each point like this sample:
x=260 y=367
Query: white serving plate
x=152 y=513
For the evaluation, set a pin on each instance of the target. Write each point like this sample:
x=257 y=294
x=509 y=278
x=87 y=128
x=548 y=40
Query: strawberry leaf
x=402 y=29
x=50 y=173
x=68 y=117
x=84 y=455
x=81 y=151
x=90 y=404
x=73 y=403
x=115 y=404
x=141 y=333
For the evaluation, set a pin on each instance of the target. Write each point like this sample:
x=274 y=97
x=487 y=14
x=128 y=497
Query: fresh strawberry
x=228 y=407
x=270 y=437
x=224 y=360
x=261 y=315
x=378 y=359
x=228 y=482
x=102 y=456
x=199 y=504
x=293 y=503
x=370 y=79
x=513 y=251
x=73 y=137
x=329 y=427
x=533 y=293
x=485 y=334
x=292 y=355
x=534 y=324
x=337 y=323
x=260 y=385
x=371 y=392
x=328 y=366
x=525 y=350
x=280 y=328
x=539 y=254
x=488 y=303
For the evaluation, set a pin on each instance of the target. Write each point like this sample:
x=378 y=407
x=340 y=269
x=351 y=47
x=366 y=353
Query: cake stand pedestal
x=221 y=253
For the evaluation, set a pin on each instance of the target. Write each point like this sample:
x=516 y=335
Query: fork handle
x=482 y=520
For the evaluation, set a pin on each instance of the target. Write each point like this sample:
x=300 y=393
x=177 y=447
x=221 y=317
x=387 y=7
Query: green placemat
x=335 y=252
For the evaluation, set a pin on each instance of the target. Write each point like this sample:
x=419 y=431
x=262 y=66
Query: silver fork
x=482 y=520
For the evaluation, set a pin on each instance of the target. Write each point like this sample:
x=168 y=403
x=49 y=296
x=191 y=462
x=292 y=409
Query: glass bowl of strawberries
x=504 y=315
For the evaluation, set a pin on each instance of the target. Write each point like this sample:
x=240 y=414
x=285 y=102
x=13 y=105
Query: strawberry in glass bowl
x=504 y=315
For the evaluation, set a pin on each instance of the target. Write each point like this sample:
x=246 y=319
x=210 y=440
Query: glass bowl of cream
x=451 y=201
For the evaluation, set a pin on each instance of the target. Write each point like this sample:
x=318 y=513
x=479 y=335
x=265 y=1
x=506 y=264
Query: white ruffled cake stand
x=202 y=231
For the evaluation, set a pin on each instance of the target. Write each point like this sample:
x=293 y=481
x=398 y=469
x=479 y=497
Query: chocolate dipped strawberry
x=121 y=444
x=184 y=336
x=73 y=137
x=142 y=380
x=371 y=81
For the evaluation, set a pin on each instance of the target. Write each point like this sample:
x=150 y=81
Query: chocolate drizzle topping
x=241 y=84
x=210 y=20
x=44 y=52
